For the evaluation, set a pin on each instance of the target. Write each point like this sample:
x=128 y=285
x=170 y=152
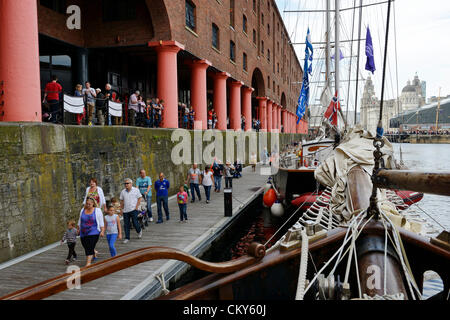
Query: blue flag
x=370 y=63
x=303 y=99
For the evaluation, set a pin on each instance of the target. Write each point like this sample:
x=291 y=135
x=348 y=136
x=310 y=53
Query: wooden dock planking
x=202 y=218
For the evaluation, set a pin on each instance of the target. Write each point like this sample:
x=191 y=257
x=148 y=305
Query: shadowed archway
x=260 y=91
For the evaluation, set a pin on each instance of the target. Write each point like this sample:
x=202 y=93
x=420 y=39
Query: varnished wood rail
x=95 y=271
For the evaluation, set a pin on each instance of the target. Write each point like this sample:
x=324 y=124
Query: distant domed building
x=413 y=94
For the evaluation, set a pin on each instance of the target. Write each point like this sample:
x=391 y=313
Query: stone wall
x=45 y=169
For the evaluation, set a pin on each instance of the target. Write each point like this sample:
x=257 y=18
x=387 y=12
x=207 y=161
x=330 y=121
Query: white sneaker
x=140 y=234
x=151 y=220
x=125 y=241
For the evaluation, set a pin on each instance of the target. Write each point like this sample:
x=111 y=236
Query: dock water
x=204 y=220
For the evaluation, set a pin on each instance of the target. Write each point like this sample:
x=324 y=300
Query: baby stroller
x=142 y=215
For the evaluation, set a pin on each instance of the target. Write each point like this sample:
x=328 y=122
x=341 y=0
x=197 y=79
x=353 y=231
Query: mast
x=327 y=47
x=337 y=56
x=357 y=59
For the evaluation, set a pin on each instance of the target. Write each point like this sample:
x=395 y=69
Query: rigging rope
x=384 y=62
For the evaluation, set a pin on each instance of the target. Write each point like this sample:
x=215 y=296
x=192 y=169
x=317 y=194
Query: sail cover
x=356 y=149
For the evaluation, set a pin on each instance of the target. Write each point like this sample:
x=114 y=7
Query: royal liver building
x=412 y=97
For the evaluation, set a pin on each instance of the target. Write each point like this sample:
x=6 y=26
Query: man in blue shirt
x=162 y=194
x=144 y=184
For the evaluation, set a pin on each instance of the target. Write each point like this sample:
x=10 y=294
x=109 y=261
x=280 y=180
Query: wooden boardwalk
x=203 y=220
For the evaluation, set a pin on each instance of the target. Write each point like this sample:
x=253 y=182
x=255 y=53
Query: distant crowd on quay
x=135 y=111
x=421 y=132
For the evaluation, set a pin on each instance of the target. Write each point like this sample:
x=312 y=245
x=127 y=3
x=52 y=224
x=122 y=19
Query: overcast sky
x=422 y=32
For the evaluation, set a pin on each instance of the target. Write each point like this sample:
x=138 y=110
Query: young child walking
x=116 y=204
x=182 y=199
x=113 y=228
x=71 y=237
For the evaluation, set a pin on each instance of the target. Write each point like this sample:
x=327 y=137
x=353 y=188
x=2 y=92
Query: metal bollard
x=228 y=202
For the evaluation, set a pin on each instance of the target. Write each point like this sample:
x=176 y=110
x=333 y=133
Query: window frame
x=190 y=24
x=244 y=23
x=213 y=28
x=232 y=13
x=232 y=51
x=244 y=62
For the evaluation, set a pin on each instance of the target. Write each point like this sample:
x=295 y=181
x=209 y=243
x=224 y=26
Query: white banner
x=73 y=104
x=115 y=109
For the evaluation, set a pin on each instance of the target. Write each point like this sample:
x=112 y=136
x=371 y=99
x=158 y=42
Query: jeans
x=54 y=109
x=156 y=122
x=207 y=191
x=183 y=213
x=126 y=221
x=164 y=200
x=148 y=123
x=111 y=240
x=217 y=182
x=194 y=186
x=149 y=205
x=229 y=182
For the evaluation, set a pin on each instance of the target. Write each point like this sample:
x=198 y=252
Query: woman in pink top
x=182 y=198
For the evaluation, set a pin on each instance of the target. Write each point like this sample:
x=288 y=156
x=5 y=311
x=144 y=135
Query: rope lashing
x=303 y=267
x=164 y=290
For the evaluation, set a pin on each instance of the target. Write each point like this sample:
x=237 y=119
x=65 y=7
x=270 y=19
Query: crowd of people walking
x=99 y=217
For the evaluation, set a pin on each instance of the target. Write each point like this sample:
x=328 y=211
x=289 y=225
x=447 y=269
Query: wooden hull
x=275 y=276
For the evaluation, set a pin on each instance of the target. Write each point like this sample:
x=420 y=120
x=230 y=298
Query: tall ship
x=346 y=233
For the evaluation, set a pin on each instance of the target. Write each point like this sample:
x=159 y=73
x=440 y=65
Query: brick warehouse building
x=233 y=55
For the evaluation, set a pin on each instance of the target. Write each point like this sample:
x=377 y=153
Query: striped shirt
x=70 y=235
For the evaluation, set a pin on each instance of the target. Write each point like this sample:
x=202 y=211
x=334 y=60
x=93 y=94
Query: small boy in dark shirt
x=71 y=236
